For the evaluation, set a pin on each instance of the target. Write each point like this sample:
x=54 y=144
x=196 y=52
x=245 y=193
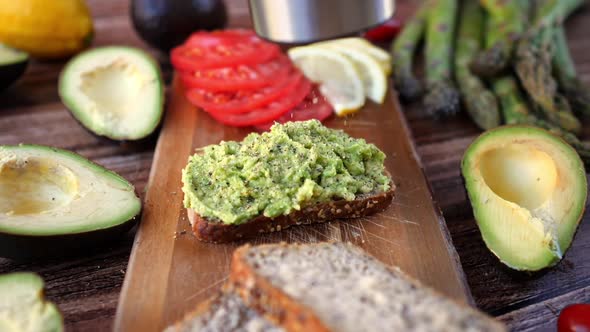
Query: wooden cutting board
x=170 y=271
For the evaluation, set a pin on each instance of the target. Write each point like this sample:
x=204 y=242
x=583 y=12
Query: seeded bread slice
x=337 y=287
x=224 y=312
x=217 y=232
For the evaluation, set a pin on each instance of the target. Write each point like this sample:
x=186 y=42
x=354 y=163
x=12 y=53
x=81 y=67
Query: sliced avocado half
x=528 y=191
x=13 y=64
x=115 y=91
x=53 y=201
x=23 y=307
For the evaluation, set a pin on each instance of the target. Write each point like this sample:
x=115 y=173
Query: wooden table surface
x=87 y=288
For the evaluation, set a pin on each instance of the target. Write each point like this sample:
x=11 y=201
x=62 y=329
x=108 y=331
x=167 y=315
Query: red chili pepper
x=385 y=32
x=574 y=318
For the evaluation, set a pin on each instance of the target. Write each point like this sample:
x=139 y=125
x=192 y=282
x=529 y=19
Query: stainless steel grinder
x=303 y=21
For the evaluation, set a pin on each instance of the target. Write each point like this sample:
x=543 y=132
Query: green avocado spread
x=274 y=173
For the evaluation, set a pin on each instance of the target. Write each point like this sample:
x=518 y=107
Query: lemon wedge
x=363 y=45
x=339 y=79
x=374 y=78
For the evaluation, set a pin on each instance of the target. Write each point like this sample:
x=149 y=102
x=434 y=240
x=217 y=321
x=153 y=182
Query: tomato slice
x=241 y=101
x=269 y=112
x=384 y=32
x=314 y=106
x=206 y=50
x=241 y=77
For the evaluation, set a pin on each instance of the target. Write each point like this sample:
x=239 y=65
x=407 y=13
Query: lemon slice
x=363 y=45
x=374 y=79
x=340 y=82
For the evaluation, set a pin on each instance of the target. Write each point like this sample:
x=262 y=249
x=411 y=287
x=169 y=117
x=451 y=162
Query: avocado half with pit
x=115 y=91
x=55 y=202
x=23 y=307
x=13 y=64
x=528 y=191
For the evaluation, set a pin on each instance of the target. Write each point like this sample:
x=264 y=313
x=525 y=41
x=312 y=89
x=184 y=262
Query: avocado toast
x=298 y=173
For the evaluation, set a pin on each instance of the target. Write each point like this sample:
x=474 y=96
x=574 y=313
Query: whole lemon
x=46 y=29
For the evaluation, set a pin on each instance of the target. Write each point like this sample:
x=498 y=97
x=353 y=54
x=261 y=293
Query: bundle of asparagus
x=516 y=48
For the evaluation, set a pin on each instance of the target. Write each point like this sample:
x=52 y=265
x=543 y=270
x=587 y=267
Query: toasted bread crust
x=288 y=313
x=217 y=232
x=276 y=306
x=210 y=304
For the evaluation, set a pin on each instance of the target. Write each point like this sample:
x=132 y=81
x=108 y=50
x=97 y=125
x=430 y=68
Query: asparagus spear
x=403 y=50
x=481 y=104
x=554 y=12
x=582 y=147
x=513 y=105
x=442 y=98
x=509 y=20
x=515 y=111
x=533 y=64
x=574 y=90
x=565 y=69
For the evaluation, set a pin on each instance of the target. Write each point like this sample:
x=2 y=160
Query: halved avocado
x=528 y=190
x=55 y=202
x=23 y=307
x=115 y=91
x=13 y=64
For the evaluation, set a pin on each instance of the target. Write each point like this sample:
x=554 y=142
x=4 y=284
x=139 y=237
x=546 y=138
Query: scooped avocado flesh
x=114 y=91
x=528 y=192
x=47 y=191
x=274 y=173
x=22 y=306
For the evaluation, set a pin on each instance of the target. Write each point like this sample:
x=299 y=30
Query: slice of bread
x=217 y=232
x=224 y=312
x=337 y=287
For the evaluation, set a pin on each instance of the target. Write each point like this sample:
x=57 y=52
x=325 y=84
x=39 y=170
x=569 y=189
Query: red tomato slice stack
x=242 y=80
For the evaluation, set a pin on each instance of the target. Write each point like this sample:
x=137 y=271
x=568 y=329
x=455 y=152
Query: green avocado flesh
x=274 y=173
x=23 y=307
x=528 y=192
x=114 y=91
x=9 y=56
x=47 y=191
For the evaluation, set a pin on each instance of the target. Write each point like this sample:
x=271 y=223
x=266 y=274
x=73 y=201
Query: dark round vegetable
x=12 y=65
x=165 y=24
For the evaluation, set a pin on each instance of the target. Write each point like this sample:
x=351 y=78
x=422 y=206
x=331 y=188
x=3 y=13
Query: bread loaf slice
x=337 y=287
x=224 y=312
x=218 y=232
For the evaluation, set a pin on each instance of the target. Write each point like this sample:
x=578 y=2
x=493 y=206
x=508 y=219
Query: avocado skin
x=27 y=247
x=522 y=275
x=142 y=144
x=150 y=135
x=516 y=271
x=11 y=72
x=165 y=24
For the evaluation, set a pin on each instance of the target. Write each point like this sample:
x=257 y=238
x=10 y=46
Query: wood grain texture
x=170 y=271
x=87 y=288
x=150 y=260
